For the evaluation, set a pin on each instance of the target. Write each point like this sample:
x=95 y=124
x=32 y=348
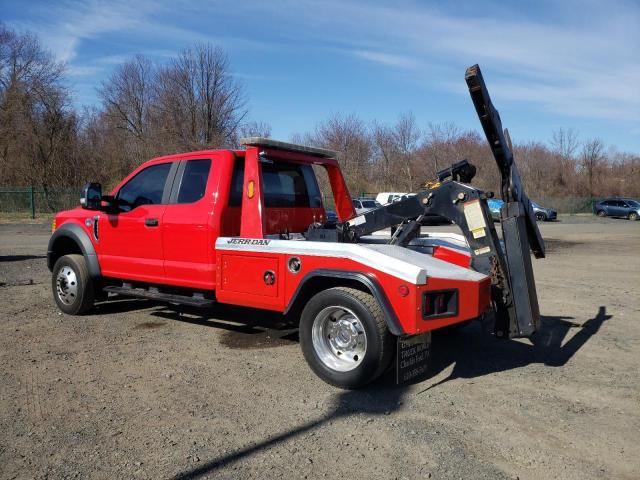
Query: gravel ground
x=139 y=390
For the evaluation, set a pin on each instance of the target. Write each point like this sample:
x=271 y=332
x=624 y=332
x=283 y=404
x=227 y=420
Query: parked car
x=618 y=207
x=364 y=205
x=387 y=197
x=331 y=217
x=495 y=205
x=543 y=214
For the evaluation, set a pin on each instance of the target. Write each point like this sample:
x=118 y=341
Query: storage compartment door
x=250 y=280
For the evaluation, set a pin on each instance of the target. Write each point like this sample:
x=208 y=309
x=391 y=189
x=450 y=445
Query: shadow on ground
x=472 y=350
x=19 y=258
x=476 y=353
x=244 y=328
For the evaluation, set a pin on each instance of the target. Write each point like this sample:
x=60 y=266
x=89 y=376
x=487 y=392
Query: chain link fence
x=35 y=201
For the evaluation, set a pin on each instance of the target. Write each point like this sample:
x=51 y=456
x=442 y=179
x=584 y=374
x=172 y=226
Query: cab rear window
x=285 y=185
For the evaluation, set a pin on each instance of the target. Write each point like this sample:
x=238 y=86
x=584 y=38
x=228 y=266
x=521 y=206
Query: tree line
x=193 y=102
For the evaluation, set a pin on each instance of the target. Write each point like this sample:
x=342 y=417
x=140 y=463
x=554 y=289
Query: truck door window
x=145 y=188
x=194 y=181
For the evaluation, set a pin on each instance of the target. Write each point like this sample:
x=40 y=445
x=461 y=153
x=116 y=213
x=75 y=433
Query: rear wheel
x=344 y=337
x=601 y=213
x=633 y=216
x=71 y=284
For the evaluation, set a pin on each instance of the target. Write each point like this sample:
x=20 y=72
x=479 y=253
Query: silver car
x=364 y=205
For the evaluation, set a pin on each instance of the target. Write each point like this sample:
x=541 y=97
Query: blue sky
x=548 y=64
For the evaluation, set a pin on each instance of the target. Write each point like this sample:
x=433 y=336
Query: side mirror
x=91 y=198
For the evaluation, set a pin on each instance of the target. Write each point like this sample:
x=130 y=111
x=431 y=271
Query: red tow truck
x=248 y=227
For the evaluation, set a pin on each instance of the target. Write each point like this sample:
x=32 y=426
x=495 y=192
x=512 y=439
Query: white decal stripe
x=397 y=261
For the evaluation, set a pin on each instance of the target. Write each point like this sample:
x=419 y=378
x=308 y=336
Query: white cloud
x=83 y=70
x=388 y=59
x=63 y=27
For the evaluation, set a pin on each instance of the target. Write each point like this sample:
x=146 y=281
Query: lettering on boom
x=248 y=241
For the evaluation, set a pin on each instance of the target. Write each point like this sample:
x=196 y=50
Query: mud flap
x=412 y=357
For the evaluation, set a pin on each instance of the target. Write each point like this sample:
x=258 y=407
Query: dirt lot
x=139 y=390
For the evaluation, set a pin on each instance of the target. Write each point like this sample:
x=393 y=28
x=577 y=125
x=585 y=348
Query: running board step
x=159 y=296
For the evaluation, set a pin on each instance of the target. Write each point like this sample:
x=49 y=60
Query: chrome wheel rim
x=67 y=285
x=339 y=338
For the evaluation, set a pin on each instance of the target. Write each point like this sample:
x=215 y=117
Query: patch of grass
x=25 y=218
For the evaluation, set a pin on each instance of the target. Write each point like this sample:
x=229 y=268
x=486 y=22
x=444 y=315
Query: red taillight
x=443 y=303
x=403 y=290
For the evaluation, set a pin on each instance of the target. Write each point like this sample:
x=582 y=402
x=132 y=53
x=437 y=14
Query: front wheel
x=633 y=216
x=541 y=217
x=344 y=337
x=71 y=284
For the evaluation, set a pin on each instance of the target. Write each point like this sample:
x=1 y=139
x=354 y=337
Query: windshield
x=369 y=203
x=633 y=203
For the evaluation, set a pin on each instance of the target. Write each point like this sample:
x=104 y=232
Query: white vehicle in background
x=387 y=197
x=364 y=204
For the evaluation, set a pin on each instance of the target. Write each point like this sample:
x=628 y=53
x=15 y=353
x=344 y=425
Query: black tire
x=633 y=216
x=380 y=344
x=540 y=216
x=73 y=292
x=601 y=213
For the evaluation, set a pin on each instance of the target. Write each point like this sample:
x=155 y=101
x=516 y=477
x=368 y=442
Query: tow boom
x=514 y=294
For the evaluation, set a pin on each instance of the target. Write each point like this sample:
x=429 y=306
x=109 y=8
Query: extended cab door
x=187 y=227
x=130 y=241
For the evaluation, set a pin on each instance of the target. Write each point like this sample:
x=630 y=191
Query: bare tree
x=564 y=143
x=199 y=99
x=37 y=127
x=385 y=155
x=349 y=136
x=440 y=144
x=407 y=135
x=255 y=129
x=128 y=95
x=591 y=159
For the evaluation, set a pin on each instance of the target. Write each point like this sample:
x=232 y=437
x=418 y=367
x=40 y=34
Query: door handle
x=151 y=222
